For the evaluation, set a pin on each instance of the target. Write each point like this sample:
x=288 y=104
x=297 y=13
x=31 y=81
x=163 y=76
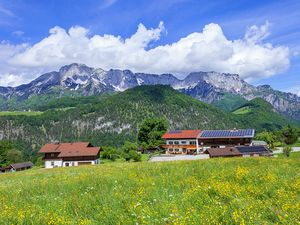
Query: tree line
x=149 y=137
x=285 y=136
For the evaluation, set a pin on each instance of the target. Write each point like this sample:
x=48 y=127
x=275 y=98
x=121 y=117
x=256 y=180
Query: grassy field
x=242 y=110
x=215 y=191
x=144 y=158
x=18 y=113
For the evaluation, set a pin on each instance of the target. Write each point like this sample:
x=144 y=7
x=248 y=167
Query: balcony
x=179 y=146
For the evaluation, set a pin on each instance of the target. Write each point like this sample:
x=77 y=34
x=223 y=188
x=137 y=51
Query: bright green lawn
x=17 y=113
x=242 y=110
x=144 y=158
x=214 y=191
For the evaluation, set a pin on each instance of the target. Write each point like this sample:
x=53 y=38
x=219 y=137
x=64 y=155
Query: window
x=176 y=150
x=170 y=149
x=52 y=163
x=192 y=142
x=183 y=142
x=170 y=142
x=176 y=142
x=52 y=155
x=184 y=150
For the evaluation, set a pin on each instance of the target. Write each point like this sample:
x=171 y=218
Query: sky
x=259 y=40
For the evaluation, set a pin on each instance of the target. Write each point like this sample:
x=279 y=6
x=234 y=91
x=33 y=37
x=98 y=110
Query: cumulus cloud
x=295 y=90
x=208 y=50
x=256 y=34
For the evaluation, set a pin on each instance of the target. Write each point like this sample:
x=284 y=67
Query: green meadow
x=214 y=191
x=243 y=110
x=20 y=113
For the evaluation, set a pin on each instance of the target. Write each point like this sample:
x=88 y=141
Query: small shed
x=222 y=152
x=17 y=167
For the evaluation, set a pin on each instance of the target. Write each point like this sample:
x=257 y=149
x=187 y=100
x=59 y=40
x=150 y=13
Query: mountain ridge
x=209 y=87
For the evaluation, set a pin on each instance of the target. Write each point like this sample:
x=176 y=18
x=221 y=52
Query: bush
x=287 y=150
x=268 y=137
x=135 y=156
x=290 y=134
x=129 y=146
x=130 y=151
x=39 y=161
x=110 y=153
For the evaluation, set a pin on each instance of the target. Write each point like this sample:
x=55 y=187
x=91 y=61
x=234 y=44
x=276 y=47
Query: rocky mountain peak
x=75 y=69
x=209 y=87
x=264 y=87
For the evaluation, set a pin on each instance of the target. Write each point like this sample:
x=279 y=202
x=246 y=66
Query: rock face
x=209 y=87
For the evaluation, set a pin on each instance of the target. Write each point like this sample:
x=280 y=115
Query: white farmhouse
x=70 y=154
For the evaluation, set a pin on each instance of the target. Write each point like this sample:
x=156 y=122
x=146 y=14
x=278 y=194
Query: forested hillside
x=261 y=115
x=112 y=119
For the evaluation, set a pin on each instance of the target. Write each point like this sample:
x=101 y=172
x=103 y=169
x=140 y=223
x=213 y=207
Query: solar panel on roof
x=251 y=149
x=228 y=133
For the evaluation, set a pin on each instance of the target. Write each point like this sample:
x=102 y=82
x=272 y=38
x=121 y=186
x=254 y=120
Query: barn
x=17 y=167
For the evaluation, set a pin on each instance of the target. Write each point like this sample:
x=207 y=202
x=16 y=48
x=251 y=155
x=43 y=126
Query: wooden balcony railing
x=180 y=146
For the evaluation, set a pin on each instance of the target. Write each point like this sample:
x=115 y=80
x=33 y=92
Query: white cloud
x=18 y=33
x=6 y=12
x=208 y=50
x=295 y=90
x=256 y=34
x=106 y=4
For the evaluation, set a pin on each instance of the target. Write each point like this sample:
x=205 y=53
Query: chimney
x=56 y=142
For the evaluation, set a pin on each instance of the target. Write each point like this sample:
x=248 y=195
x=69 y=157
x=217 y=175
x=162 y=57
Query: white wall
x=76 y=163
x=180 y=140
x=60 y=163
x=57 y=163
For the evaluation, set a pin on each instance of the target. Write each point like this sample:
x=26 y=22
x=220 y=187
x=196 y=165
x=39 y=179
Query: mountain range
x=227 y=91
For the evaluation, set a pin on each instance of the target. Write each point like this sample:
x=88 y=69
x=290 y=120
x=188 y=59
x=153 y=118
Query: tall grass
x=215 y=191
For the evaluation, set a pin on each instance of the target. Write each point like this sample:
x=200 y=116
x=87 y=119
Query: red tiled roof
x=70 y=149
x=48 y=148
x=70 y=146
x=89 y=151
x=181 y=134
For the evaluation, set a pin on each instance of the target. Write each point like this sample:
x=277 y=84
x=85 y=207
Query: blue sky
x=28 y=23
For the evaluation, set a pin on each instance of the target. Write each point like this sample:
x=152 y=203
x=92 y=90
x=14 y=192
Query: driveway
x=279 y=150
x=164 y=158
